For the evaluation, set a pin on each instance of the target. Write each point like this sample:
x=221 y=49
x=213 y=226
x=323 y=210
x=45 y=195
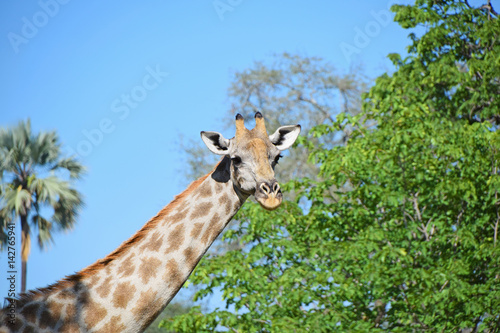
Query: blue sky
x=120 y=81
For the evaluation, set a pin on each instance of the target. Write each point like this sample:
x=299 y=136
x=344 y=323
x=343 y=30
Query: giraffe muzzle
x=268 y=195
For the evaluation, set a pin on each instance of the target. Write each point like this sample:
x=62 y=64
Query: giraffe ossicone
x=126 y=290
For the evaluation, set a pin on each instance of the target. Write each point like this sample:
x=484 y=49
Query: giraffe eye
x=236 y=160
x=276 y=159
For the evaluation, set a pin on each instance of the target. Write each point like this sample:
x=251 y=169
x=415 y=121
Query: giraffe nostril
x=265 y=188
x=276 y=188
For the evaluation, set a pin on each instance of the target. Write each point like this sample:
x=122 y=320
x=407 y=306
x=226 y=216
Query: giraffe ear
x=216 y=142
x=285 y=136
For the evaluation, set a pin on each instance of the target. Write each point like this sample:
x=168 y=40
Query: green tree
x=409 y=239
x=33 y=183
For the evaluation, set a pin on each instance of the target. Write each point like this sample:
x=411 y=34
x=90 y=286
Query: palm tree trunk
x=25 y=250
x=24 y=272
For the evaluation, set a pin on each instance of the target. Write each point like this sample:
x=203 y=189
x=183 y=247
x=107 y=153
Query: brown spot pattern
x=197 y=228
x=114 y=326
x=131 y=256
x=94 y=313
x=228 y=207
x=146 y=304
x=218 y=224
x=154 y=243
x=212 y=229
x=65 y=294
x=55 y=308
x=70 y=327
x=51 y=315
x=29 y=329
x=224 y=200
x=201 y=210
x=179 y=216
x=30 y=312
x=48 y=319
x=123 y=294
x=215 y=233
x=191 y=256
x=175 y=239
x=127 y=267
x=173 y=273
x=104 y=289
x=94 y=280
x=148 y=268
x=16 y=327
x=70 y=311
x=218 y=187
x=205 y=190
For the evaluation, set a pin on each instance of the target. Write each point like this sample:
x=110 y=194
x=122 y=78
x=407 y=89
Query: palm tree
x=35 y=180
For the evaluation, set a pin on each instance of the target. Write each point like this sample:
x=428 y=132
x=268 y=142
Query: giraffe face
x=254 y=154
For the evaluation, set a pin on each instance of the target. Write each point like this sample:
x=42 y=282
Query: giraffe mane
x=118 y=252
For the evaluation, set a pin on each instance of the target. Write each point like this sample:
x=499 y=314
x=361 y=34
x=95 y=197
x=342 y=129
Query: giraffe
x=127 y=290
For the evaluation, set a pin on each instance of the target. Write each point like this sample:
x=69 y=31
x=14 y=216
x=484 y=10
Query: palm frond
x=48 y=190
x=45 y=148
x=6 y=217
x=76 y=170
x=66 y=210
x=44 y=227
x=16 y=200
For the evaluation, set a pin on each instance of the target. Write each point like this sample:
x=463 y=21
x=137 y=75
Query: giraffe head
x=253 y=154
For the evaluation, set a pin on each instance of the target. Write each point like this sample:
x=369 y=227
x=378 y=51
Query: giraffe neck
x=125 y=291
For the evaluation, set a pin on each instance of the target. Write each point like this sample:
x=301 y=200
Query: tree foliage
x=411 y=242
